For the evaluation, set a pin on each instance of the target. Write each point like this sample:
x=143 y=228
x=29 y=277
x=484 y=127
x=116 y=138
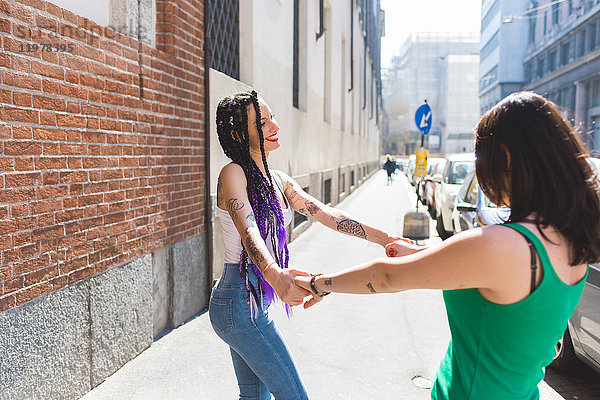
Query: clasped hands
x=292 y=285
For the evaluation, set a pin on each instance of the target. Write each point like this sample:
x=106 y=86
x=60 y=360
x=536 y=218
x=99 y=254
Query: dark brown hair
x=545 y=171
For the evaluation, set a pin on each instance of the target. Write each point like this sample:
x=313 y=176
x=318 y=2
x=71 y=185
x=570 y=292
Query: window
x=570 y=6
x=581 y=43
x=296 y=67
x=545 y=23
x=533 y=22
x=540 y=68
x=327 y=66
x=564 y=53
x=596 y=93
x=555 y=13
x=327 y=191
x=592 y=37
x=490 y=46
x=492 y=12
x=224 y=35
x=552 y=61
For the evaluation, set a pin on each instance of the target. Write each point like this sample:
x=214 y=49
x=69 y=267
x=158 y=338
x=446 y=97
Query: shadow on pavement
x=582 y=384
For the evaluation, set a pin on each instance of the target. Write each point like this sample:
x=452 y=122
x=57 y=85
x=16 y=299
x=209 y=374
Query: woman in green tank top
x=509 y=289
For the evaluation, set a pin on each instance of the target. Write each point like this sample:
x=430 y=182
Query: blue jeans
x=261 y=360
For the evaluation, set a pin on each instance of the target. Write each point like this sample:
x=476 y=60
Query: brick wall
x=102 y=147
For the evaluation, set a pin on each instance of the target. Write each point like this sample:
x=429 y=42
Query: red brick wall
x=101 y=161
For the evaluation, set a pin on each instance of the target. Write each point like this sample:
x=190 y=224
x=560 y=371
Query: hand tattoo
x=370 y=287
x=254 y=251
x=351 y=228
x=233 y=205
x=327 y=282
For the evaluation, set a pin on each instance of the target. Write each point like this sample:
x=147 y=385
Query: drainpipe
x=207 y=200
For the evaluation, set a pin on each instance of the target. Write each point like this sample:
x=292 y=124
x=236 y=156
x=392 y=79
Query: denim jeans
x=261 y=359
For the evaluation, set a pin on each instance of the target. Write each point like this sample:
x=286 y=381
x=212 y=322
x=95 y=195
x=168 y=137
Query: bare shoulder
x=231 y=171
x=231 y=183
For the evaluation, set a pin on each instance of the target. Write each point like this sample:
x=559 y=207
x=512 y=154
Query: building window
x=296 y=67
x=564 y=53
x=490 y=46
x=570 y=6
x=552 y=61
x=555 y=13
x=545 y=23
x=327 y=191
x=224 y=35
x=592 y=37
x=492 y=12
x=581 y=43
x=327 y=66
x=489 y=78
x=596 y=93
x=528 y=76
x=540 y=68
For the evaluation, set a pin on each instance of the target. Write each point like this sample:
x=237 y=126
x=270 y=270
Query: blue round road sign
x=423 y=118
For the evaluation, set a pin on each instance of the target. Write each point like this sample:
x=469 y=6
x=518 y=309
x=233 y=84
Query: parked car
x=456 y=170
x=429 y=190
x=431 y=167
x=581 y=341
x=472 y=208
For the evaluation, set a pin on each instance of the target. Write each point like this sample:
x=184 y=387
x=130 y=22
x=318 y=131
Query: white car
x=448 y=185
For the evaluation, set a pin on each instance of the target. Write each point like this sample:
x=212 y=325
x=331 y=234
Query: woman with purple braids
x=255 y=204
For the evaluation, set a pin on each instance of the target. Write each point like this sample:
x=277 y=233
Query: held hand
x=282 y=280
x=399 y=247
x=304 y=282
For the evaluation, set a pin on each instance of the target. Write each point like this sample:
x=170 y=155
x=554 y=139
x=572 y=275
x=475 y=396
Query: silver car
x=449 y=182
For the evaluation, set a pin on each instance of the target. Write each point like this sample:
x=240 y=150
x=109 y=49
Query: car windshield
x=460 y=169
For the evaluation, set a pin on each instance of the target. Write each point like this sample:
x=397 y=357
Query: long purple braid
x=232 y=117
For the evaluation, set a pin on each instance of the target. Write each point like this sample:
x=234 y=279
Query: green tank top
x=499 y=352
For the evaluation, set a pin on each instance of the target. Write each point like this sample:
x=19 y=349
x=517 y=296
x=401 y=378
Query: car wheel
x=440 y=228
x=565 y=359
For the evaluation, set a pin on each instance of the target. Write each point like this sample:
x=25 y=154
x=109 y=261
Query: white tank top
x=231 y=238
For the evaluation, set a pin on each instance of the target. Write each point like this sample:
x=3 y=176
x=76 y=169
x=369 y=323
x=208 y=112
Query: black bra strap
x=533 y=263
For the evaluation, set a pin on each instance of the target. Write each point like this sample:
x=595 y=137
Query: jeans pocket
x=221 y=315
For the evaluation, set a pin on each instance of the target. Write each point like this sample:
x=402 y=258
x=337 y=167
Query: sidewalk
x=347 y=347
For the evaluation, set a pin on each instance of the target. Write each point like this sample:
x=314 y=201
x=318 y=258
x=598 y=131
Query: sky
x=403 y=17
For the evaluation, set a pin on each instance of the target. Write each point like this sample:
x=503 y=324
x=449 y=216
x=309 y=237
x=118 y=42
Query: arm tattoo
x=219 y=190
x=293 y=196
x=327 y=282
x=351 y=228
x=254 y=251
x=251 y=217
x=370 y=287
x=233 y=205
x=311 y=207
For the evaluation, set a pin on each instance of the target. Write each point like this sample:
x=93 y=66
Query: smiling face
x=269 y=127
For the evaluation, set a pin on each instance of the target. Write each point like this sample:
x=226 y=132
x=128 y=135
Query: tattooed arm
x=334 y=218
x=491 y=259
x=232 y=196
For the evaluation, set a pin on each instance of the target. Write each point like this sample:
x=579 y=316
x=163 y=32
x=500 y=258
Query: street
x=347 y=346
